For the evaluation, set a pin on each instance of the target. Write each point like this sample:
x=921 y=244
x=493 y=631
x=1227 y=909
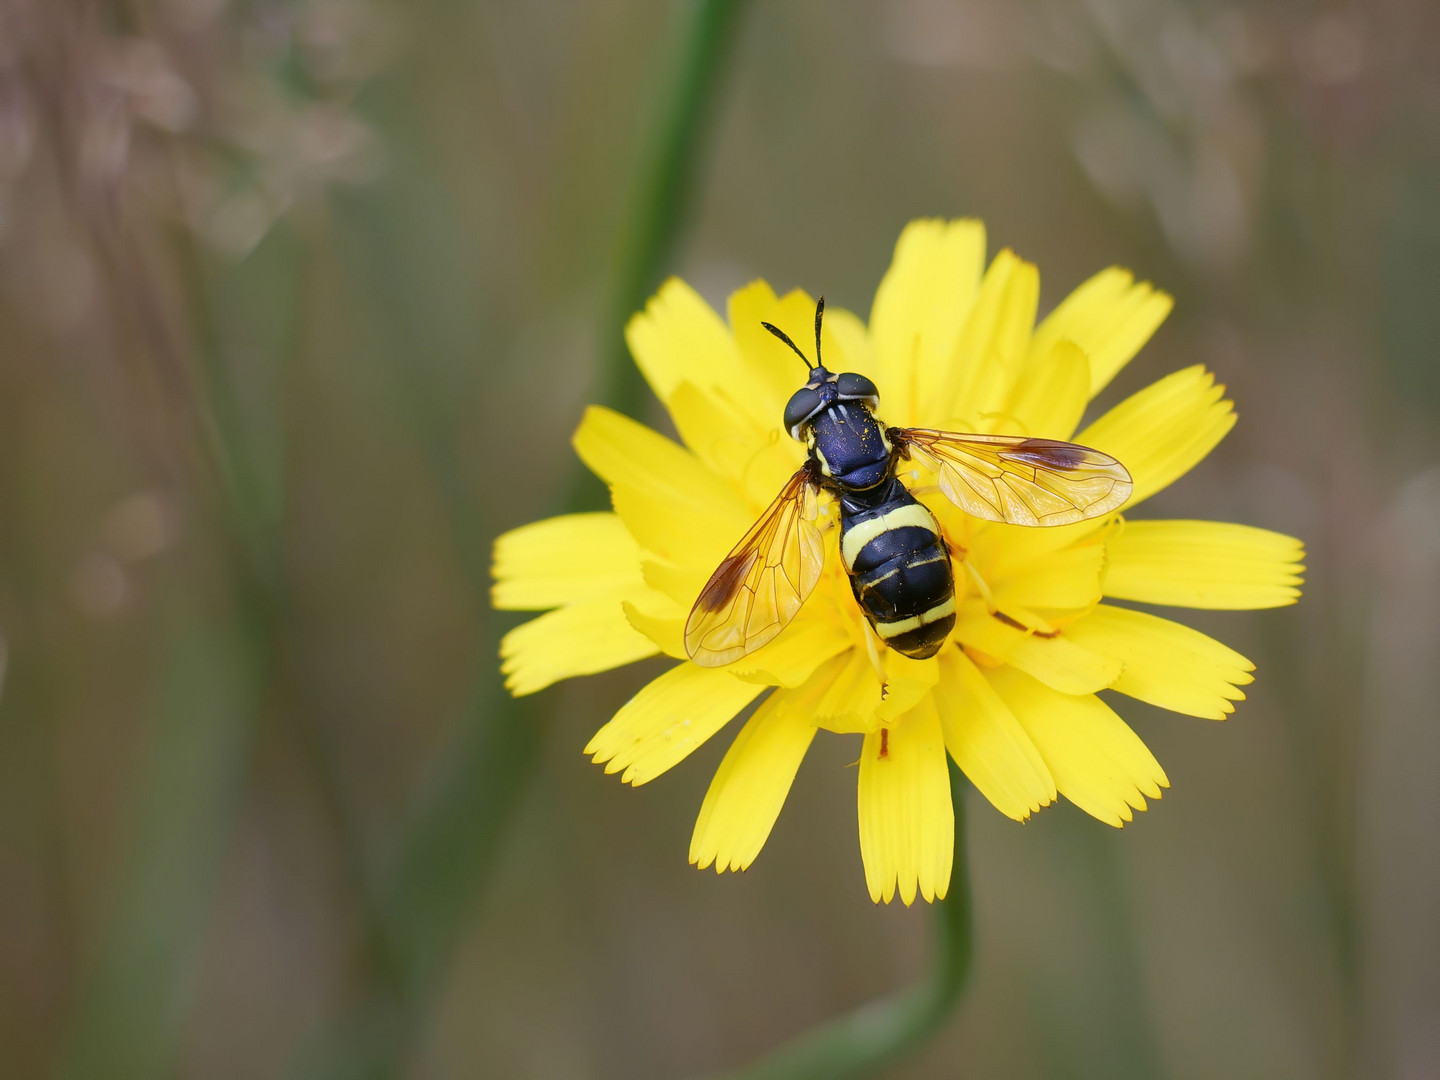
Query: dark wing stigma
x=725 y=582
x=757 y=588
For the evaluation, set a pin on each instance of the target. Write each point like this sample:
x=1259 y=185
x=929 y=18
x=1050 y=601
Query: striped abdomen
x=899 y=570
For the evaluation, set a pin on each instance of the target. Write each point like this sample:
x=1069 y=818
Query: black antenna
x=819 y=318
x=785 y=338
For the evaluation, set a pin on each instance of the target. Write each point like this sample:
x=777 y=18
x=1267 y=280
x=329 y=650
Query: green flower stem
x=663 y=192
x=447 y=854
x=881 y=1033
x=657 y=209
x=441 y=871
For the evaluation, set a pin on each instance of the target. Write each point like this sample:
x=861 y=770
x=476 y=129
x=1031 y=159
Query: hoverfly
x=890 y=543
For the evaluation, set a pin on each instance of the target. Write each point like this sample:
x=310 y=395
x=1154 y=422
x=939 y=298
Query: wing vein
x=758 y=588
x=1018 y=479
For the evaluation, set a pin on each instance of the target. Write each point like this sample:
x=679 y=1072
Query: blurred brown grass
x=298 y=306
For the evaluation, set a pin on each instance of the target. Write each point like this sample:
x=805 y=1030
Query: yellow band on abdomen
x=861 y=533
x=888 y=630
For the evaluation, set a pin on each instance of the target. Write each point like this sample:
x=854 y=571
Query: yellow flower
x=950 y=344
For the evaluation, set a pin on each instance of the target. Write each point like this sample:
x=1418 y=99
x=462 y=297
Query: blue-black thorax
x=847 y=442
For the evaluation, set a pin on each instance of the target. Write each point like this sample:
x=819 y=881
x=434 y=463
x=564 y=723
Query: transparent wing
x=760 y=585
x=1020 y=480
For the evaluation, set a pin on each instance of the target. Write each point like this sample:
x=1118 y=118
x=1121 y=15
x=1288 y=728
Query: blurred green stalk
x=441 y=872
x=131 y=1005
x=446 y=858
x=218 y=666
x=662 y=195
x=881 y=1033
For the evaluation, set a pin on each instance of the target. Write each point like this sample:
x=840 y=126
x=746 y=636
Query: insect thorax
x=849 y=446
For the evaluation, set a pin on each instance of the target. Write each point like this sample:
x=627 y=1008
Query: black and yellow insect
x=891 y=545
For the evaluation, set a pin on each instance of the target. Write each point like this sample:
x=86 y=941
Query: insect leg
x=1009 y=620
x=980 y=586
x=873 y=644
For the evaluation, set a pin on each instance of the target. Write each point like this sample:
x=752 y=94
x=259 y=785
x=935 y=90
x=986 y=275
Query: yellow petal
x=1110 y=317
x=757 y=462
x=1204 y=564
x=1166 y=664
x=907 y=822
x=987 y=742
x=1098 y=763
x=681 y=582
x=778 y=372
x=1049 y=397
x=812 y=638
x=1067 y=579
x=1003 y=551
x=563 y=559
x=667 y=720
x=919 y=309
x=851 y=697
x=1056 y=661
x=1165 y=430
x=679 y=338
x=851 y=344
x=752 y=782
x=672 y=504
x=779 y=369
x=988 y=355
x=578 y=639
x=907 y=681
x=660 y=619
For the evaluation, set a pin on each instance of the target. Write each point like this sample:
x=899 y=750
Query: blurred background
x=300 y=301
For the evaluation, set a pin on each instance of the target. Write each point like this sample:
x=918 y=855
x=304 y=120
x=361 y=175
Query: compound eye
x=853 y=387
x=804 y=403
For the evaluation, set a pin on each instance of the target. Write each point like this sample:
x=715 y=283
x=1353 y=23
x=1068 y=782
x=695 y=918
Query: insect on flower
x=896 y=589
x=892 y=547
